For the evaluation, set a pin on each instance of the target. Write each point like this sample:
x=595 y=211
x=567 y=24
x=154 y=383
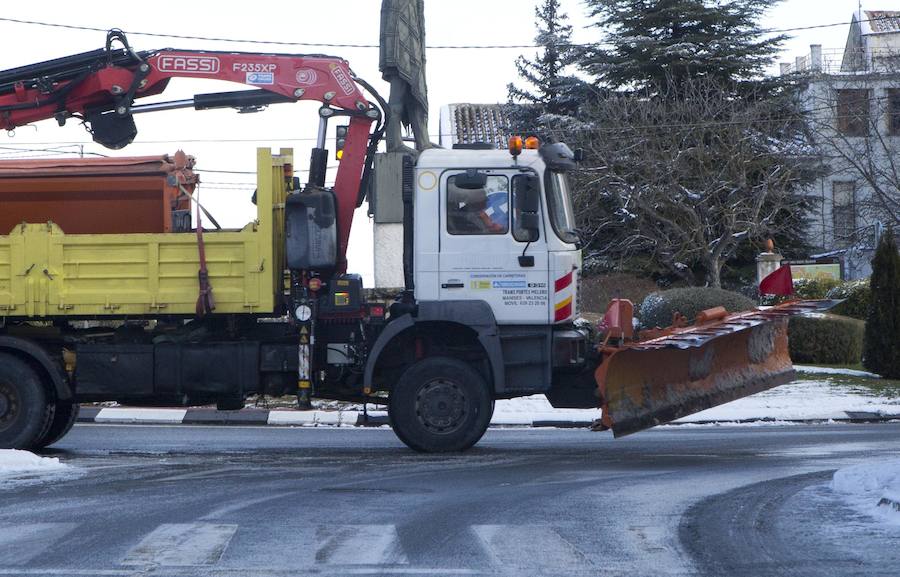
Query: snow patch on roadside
x=834 y=371
x=14 y=462
x=872 y=488
x=537 y=408
x=818 y=400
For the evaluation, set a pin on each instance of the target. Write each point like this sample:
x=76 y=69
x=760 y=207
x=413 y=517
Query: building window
x=853 y=112
x=480 y=210
x=893 y=98
x=843 y=213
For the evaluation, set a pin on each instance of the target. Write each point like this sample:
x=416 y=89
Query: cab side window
x=478 y=211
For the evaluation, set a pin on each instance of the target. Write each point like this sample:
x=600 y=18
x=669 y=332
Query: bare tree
x=685 y=181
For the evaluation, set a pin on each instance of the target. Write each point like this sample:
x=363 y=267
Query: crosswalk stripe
x=353 y=547
x=529 y=546
x=359 y=545
x=19 y=543
x=182 y=544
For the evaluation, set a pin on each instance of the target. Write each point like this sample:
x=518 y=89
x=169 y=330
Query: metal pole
x=171 y=105
x=323 y=132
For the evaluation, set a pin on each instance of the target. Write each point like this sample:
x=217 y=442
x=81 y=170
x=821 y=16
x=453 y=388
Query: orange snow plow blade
x=690 y=369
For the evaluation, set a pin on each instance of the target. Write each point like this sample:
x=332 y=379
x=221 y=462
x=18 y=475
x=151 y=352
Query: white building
x=852 y=97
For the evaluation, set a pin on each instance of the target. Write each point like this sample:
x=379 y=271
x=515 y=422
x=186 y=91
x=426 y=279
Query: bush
x=814 y=288
x=857 y=296
x=826 y=339
x=883 y=323
x=658 y=308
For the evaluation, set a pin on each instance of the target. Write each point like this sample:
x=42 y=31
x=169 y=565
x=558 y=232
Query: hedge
x=826 y=339
x=858 y=299
x=658 y=308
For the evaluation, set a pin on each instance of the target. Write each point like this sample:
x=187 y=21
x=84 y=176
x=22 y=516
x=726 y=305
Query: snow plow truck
x=112 y=293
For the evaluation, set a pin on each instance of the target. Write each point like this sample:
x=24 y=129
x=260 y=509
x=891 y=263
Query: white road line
x=359 y=545
x=19 y=543
x=532 y=546
x=182 y=544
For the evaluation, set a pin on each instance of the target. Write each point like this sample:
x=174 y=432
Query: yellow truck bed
x=47 y=273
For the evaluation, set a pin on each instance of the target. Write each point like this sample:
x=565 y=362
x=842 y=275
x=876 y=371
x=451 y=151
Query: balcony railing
x=841 y=61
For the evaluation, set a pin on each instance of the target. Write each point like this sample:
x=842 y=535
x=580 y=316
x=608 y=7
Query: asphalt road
x=254 y=502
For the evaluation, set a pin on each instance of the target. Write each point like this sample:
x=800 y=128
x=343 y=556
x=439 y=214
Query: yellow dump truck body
x=47 y=273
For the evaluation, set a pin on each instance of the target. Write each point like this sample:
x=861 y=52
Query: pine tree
x=549 y=89
x=655 y=43
x=882 y=348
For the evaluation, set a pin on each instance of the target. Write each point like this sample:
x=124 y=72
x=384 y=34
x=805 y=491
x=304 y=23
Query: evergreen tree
x=882 y=348
x=654 y=43
x=548 y=90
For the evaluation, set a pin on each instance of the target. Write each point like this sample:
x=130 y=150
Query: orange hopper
x=98 y=195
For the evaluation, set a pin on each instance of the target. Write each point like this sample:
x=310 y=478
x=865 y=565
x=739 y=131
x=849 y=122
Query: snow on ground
x=834 y=371
x=802 y=400
x=16 y=463
x=537 y=408
x=805 y=399
x=872 y=488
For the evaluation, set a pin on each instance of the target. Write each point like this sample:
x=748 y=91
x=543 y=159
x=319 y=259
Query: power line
x=349 y=45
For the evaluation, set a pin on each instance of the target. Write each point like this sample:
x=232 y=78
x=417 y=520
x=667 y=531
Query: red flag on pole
x=779 y=282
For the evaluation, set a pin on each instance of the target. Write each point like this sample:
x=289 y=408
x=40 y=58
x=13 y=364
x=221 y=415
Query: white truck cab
x=472 y=236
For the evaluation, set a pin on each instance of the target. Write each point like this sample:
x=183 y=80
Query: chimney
x=815 y=57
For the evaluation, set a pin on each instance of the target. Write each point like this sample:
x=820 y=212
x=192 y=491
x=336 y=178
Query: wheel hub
x=441 y=406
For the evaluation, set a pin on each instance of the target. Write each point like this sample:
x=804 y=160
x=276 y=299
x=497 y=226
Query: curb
x=288 y=418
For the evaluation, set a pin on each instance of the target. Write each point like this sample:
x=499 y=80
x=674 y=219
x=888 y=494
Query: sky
x=223 y=140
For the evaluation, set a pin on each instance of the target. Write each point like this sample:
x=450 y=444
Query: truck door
x=480 y=247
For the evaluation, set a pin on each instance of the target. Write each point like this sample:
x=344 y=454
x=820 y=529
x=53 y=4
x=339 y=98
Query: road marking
x=359 y=545
x=140 y=415
x=531 y=546
x=182 y=544
x=19 y=543
x=240 y=572
x=69 y=572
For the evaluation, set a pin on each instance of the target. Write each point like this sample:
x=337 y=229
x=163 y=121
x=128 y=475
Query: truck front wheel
x=25 y=413
x=440 y=405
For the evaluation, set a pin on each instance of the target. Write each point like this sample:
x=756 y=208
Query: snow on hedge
x=15 y=462
x=873 y=488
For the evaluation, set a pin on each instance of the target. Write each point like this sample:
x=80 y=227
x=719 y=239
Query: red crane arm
x=111 y=87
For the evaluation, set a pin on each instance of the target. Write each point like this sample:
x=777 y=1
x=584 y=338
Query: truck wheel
x=440 y=405
x=25 y=412
x=63 y=420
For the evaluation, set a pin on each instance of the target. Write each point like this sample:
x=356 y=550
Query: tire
x=63 y=420
x=440 y=405
x=25 y=411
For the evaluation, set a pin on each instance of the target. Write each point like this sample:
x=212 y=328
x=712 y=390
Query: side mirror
x=528 y=193
x=530 y=222
x=527 y=204
x=471 y=179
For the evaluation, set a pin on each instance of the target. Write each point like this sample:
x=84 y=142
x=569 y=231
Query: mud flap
x=664 y=379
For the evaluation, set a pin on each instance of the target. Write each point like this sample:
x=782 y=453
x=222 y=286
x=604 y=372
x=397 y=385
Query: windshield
x=559 y=204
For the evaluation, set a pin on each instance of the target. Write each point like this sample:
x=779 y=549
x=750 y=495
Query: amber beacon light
x=515 y=145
